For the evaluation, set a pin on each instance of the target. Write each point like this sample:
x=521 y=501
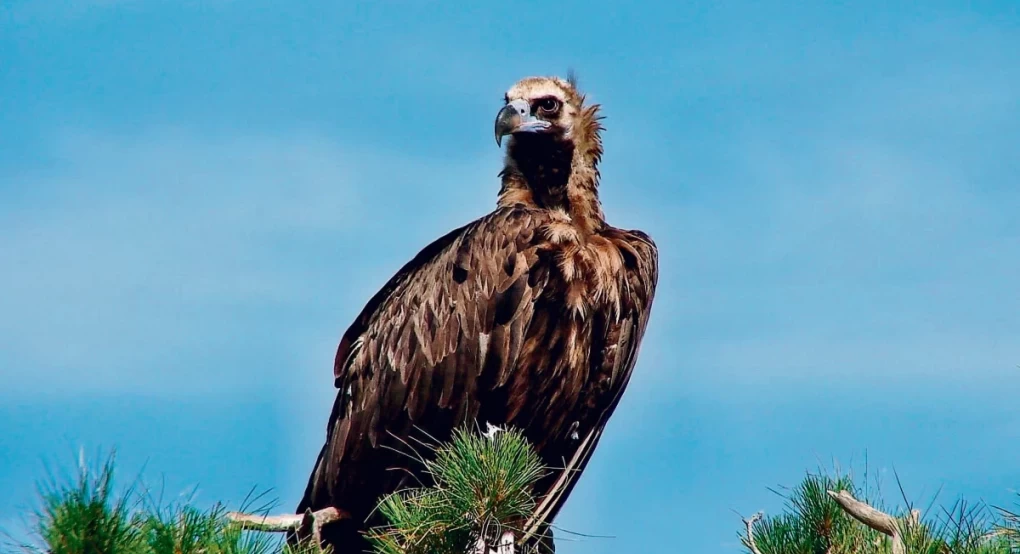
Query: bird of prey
x=528 y=317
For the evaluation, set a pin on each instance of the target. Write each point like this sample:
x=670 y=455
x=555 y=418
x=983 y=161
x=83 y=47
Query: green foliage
x=185 y=529
x=813 y=523
x=483 y=486
x=90 y=516
x=87 y=517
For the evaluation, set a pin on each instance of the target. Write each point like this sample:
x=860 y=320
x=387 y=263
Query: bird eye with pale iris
x=548 y=106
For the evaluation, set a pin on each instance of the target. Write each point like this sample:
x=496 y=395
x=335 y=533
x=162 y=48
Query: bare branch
x=749 y=539
x=272 y=524
x=308 y=524
x=879 y=521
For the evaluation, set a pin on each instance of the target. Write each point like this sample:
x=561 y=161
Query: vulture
x=529 y=317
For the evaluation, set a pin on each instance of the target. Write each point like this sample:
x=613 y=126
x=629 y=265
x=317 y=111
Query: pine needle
x=483 y=486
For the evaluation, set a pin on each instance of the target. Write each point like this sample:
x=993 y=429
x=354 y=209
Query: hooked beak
x=516 y=117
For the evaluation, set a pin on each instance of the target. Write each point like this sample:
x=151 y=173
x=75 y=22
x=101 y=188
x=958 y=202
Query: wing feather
x=615 y=360
x=451 y=320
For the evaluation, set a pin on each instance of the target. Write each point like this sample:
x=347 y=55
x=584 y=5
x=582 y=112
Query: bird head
x=554 y=148
x=539 y=108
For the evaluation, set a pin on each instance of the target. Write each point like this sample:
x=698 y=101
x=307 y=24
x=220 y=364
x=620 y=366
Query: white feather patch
x=483 y=346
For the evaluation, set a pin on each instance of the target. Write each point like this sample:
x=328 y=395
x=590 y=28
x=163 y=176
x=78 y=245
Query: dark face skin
x=538 y=116
x=537 y=106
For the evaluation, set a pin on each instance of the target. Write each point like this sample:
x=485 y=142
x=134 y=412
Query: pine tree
x=823 y=515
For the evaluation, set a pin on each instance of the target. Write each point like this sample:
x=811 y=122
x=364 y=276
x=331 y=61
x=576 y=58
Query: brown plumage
x=530 y=316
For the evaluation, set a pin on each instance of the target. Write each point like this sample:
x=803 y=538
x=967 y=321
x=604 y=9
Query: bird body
x=528 y=317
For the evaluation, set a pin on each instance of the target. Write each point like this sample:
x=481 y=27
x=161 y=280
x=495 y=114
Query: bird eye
x=548 y=106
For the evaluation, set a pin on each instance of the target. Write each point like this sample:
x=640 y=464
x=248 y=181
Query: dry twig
x=879 y=521
x=308 y=524
x=749 y=539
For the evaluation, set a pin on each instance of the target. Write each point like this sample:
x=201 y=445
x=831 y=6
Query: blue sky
x=196 y=198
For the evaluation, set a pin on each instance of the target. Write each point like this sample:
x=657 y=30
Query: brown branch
x=879 y=521
x=308 y=524
x=749 y=540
